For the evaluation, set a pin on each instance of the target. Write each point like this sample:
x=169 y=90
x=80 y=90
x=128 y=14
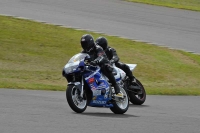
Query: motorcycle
x=137 y=98
x=87 y=86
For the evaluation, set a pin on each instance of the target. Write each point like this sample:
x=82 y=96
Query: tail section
x=132 y=66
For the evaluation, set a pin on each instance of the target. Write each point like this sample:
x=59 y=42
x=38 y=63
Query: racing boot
x=118 y=93
x=134 y=86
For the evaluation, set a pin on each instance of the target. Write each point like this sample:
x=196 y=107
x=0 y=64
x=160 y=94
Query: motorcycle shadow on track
x=107 y=115
x=138 y=106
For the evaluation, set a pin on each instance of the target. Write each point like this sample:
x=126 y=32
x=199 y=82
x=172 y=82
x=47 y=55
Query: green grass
x=181 y=4
x=33 y=54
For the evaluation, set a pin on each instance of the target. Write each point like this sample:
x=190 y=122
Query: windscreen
x=77 y=57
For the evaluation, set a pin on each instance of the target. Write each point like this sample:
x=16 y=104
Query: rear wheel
x=75 y=101
x=120 y=105
x=138 y=99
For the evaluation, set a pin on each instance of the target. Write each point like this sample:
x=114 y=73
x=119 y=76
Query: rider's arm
x=101 y=56
x=115 y=57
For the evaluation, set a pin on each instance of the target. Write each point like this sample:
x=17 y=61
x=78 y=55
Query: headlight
x=70 y=69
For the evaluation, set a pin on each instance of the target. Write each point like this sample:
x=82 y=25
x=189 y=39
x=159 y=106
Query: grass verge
x=33 y=54
x=181 y=4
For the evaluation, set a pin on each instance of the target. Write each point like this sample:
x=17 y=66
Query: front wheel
x=138 y=99
x=75 y=101
x=120 y=105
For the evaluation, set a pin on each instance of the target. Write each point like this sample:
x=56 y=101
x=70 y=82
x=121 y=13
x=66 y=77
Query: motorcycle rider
x=113 y=57
x=98 y=57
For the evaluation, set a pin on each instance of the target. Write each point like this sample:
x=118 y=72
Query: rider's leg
x=128 y=72
x=108 y=73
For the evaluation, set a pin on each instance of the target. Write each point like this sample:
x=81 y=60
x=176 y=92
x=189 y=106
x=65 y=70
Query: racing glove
x=93 y=63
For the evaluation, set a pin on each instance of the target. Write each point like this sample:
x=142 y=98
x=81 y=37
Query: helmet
x=102 y=41
x=87 y=42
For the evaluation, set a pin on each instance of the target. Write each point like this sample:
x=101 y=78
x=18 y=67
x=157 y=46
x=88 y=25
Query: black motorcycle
x=135 y=97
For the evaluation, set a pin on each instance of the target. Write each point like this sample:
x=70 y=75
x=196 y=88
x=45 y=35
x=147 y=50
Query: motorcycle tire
x=74 y=100
x=121 y=106
x=138 y=99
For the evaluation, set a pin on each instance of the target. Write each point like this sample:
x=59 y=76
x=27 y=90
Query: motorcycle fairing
x=75 y=64
x=132 y=66
x=100 y=89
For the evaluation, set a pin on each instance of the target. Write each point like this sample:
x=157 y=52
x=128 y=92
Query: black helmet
x=102 y=41
x=87 y=42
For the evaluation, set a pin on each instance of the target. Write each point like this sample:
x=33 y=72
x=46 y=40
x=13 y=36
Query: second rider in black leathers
x=98 y=57
x=113 y=57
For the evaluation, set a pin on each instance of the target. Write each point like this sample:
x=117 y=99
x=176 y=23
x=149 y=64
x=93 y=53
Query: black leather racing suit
x=98 y=55
x=113 y=57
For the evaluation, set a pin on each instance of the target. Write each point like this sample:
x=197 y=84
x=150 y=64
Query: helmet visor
x=84 y=45
x=87 y=46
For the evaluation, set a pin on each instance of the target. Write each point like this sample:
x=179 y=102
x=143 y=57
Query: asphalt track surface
x=173 y=28
x=29 y=111
x=25 y=111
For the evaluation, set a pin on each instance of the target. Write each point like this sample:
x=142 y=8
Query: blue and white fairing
x=76 y=63
x=100 y=89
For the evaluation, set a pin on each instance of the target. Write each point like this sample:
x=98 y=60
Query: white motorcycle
x=137 y=98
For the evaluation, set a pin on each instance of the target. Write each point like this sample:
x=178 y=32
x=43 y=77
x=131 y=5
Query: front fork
x=82 y=85
x=78 y=85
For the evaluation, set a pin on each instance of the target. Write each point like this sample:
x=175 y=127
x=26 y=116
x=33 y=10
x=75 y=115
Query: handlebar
x=89 y=67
